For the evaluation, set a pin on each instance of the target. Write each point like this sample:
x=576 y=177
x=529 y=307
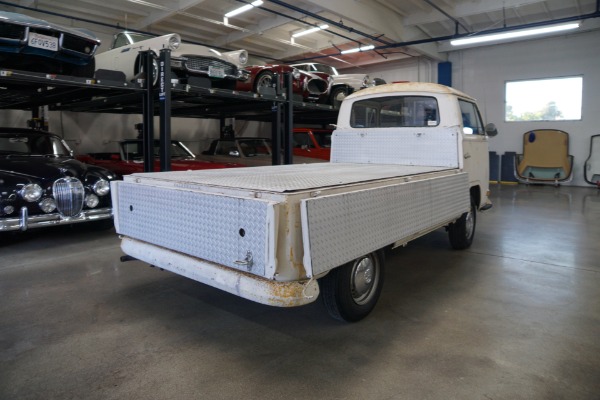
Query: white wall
x=483 y=71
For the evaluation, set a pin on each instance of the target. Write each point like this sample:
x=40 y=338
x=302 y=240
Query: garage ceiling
x=265 y=31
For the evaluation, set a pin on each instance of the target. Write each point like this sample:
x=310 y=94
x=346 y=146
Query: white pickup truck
x=406 y=159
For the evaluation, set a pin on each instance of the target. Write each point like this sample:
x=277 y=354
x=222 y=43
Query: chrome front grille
x=200 y=65
x=69 y=195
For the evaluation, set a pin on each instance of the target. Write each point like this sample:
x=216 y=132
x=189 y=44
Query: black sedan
x=41 y=184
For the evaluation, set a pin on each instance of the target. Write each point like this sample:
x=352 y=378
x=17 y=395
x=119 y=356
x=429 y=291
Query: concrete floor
x=517 y=316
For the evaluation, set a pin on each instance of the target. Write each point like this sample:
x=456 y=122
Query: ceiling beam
x=173 y=8
x=464 y=9
x=386 y=23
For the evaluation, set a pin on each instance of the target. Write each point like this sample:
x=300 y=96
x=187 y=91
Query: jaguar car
x=223 y=69
x=41 y=184
x=309 y=86
x=32 y=44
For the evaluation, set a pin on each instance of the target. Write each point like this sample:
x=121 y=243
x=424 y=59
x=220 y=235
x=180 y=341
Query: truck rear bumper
x=248 y=286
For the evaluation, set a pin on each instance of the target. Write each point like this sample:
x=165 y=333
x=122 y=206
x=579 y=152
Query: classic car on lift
x=42 y=185
x=309 y=86
x=342 y=84
x=130 y=159
x=32 y=44
x=312 y=142
x=223 y=69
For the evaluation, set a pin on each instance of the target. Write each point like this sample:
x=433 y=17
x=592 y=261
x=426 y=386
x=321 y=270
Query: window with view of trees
x=555 y=99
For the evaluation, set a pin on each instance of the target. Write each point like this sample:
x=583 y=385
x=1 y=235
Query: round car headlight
x=31 y=192
x=91 y=200
x=47 y=205
x=101 y=187
x=243 y=58
x=296 y=74
x=174 y=42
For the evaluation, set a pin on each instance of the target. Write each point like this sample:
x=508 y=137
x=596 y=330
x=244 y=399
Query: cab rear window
x=395 y=111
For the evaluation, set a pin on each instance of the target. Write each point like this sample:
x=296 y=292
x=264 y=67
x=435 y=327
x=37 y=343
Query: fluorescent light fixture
x=148 y=4
x=311 y=30
x=356 y=50
x=514 y=34
x=244 y=8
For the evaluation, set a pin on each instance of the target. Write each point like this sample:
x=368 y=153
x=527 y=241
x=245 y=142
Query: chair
x=591 y=169
x=545 y=157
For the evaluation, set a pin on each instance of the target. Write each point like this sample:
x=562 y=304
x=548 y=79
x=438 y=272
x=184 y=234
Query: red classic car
x=315 y=143
x=311 y=87
x=130 y=158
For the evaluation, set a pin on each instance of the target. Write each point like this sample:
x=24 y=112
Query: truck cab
x=421 y=110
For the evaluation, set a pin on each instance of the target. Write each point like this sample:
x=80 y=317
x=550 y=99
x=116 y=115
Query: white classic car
x=187 y=60
x=343 y=84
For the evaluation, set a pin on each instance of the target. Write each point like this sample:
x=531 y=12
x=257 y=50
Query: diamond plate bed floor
x=289 y=178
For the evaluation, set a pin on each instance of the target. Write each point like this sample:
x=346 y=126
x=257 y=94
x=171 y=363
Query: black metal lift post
x=288 y=140
x=164 y=97
x=148 y=129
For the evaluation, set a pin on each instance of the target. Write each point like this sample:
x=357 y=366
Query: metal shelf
x=23 y=90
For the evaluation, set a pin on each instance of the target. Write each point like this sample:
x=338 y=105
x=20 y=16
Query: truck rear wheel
x=351 y=291
x=462 y=232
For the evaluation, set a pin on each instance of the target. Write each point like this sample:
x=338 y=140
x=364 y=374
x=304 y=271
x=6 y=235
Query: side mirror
x=490 y=130
x=234 y=153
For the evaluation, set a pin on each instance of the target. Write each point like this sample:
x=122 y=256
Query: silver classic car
x=187 y=60
x=32 y=44
x=343 y=84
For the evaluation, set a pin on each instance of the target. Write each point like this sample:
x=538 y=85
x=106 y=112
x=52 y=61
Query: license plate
x=216 y=72
x=43 y=41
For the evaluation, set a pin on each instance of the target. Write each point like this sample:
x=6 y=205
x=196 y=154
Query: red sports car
x=130 y=159
x=311 y=87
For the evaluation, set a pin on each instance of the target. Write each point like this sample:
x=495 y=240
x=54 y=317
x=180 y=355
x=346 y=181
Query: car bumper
x=24 y=221
x=243 y=284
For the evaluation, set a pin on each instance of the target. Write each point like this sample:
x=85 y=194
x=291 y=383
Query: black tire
x=264 y=79
x=139 y=69
x=462 y=232
x=337 y=95
x=350 y=292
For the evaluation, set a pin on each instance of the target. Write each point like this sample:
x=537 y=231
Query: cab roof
x=409 y=87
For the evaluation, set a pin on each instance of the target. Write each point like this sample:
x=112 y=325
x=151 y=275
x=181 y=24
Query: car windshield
x=326 y=68
x=255 y=147
x=127 y=38
x=134 y=150
x=323 y=138
x=32 y=144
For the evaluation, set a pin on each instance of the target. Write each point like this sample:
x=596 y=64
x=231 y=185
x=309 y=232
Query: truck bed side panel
x=219 y=229
x=342 y=227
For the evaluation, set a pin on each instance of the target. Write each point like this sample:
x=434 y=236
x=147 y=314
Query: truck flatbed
x=286 y=178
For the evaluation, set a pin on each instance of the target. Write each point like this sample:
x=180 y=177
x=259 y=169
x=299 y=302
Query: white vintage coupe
x=187 y=60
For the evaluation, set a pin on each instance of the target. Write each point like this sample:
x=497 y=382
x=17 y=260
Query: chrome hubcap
x=469 y=223
x=363 y=279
